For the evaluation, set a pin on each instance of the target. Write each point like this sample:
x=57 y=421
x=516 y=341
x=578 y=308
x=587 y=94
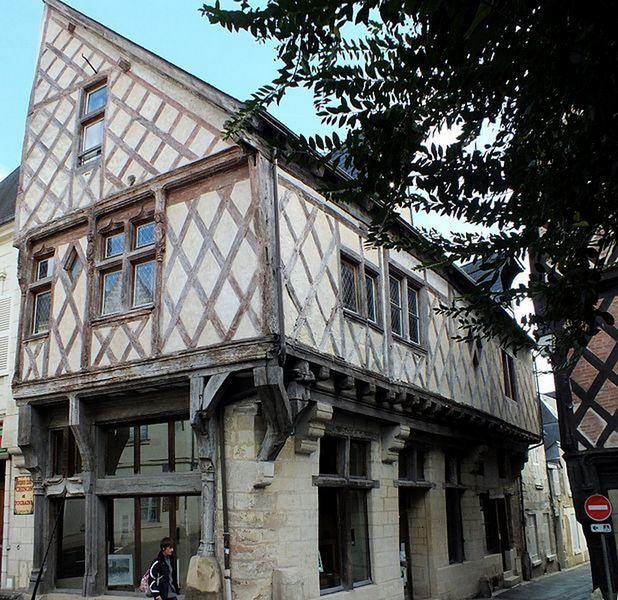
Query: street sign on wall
x=598 y=507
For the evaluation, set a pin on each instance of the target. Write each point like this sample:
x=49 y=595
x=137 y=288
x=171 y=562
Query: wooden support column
x=32 y=438
x=81 y=425
x=205 y=427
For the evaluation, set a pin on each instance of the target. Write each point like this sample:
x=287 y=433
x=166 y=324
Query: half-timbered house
x=210 y=350
x=587 y=404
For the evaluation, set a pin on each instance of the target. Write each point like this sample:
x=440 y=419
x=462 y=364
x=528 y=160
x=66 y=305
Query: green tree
x=530 y=87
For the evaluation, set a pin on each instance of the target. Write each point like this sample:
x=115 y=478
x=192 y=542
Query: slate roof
x=8 y=195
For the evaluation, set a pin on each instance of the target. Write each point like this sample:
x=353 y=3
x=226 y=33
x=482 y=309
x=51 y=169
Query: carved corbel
x=366 y=392
x=30 y=438
x=78 y=422
x=275 y=408
x=298 y=387
x=312 y=427
x=344 y=384
x=205 y=396
x=394 y=438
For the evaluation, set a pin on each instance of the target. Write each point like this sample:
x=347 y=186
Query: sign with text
x=598 y=507
x=24 y=496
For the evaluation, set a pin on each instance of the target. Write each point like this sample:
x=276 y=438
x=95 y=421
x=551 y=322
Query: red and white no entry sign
x=598 y=507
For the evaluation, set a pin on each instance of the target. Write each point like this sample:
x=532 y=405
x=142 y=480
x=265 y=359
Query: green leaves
x=387 y=74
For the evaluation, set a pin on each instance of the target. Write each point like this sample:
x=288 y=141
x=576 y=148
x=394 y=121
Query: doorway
x=413 y=543
x=497 y=526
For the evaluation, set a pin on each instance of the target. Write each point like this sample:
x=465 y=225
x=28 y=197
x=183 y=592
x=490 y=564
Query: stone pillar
x=204 y=579
x=207 y=456
x=41 y=522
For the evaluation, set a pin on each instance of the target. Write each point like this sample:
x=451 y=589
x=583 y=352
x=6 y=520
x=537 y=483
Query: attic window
x=92 y=123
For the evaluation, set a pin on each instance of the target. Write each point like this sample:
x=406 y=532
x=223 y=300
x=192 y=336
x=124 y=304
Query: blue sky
x=174 y=29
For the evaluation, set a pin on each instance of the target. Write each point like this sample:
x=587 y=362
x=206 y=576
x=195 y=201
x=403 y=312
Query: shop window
x=454 y=525
x=92 y=123
x=360 y=289
x=452 y=468
x=412 y=464
x=66 y=459
x=508 y=375
x=404 y=304
x=343 y=534
x=150 y=448
x=127 y=267
x=71 y=554
x=135 y=526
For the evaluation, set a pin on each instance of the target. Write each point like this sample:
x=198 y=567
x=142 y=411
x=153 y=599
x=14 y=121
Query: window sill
x=81 y=168
x=420 y=349
x=341 y=592
x=36 y=336
x=407 y=483
x=551 y=557
x=351 y=482
x=454 y=486
x=536 y=562
x=353 y=316
x=124 y=316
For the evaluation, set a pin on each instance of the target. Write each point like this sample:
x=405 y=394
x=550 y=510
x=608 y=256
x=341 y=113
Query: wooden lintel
x=177 y=483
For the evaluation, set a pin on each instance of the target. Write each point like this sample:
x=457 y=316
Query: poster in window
x=24 y=496
x=119 y=569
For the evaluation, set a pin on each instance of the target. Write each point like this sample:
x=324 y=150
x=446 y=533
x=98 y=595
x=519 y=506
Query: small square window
x=144 y=278
x=114 y=245
x=42 y=309
x=145 y=235
x=112 y=292
x=96 y=99
x=44 y=268
x=92 y=137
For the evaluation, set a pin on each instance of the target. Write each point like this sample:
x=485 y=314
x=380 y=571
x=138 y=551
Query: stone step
x=511 y=580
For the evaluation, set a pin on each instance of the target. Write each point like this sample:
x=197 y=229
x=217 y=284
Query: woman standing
x=163 y=580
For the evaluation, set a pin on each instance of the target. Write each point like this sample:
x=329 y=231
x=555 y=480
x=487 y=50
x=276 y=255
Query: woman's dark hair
x=167 y=542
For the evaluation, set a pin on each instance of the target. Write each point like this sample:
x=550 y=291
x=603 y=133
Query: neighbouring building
x=570 y=540
x=587 y=406
x=541 y=551
x=16 y=503
x=209 y=350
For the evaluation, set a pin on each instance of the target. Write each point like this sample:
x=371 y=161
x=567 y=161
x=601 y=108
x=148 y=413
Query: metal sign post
x=599 y=508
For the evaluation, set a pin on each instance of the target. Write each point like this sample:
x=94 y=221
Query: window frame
x=126 y=263
x=37 y=287
x=87 y=156
x=509 y=378
x=344 y=485
x=406 y=285
x=362 y=273
x=412 y=466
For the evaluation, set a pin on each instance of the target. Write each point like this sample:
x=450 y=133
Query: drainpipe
x=526 y=566
x=227 y=576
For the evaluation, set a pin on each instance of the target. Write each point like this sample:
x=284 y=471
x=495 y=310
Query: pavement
x=572 y=584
